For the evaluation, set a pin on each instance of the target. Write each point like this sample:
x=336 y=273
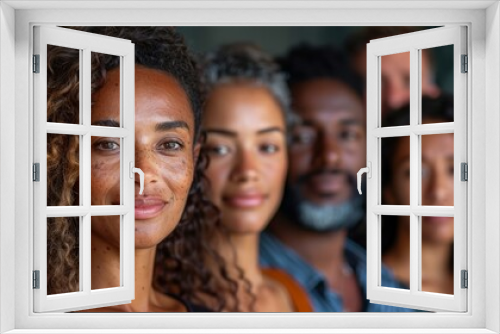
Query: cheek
x=299 y=164
x=105 y=179
x=218 y=174
x=177 y=173
x=355 y=158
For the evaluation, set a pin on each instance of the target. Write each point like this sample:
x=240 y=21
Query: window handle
x=133 y=170
x=368 y=171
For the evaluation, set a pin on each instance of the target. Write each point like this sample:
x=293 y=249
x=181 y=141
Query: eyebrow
x=165 y=126
x=107 y=122
x=229 y=133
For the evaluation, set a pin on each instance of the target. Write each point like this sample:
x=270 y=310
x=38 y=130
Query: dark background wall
x=277 y=40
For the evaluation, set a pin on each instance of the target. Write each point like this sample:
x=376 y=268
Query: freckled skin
x=168 y=172
x=244 y=109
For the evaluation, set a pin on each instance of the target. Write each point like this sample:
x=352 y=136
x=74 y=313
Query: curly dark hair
x=180 y=256
x=305 y=62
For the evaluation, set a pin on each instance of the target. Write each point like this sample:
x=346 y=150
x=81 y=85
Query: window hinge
x=36 y=279
x=465 y=64
x=464 y=172
x=36 y=63
x=36 y=172
x=465 y=279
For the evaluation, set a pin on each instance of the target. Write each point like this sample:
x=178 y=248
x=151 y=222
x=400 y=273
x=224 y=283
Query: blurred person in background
x=395 y=68
x=437 y=189
x=308 y=236
x=245 y=122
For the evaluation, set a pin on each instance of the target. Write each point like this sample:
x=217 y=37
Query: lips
x=148 y=207
x=244 y=201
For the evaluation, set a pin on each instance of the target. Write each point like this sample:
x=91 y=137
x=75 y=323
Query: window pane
x=396 y=171
x=63 y=85
x=106 y=100
x=63 y=170
x=437 y=254
x=437 y=169
x=395 y=91
x=396 y=250
x=437 y=85
x=105 y=257
x=105 y=170
x=63 y=255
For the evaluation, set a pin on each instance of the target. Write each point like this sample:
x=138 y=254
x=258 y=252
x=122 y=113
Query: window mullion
x=85 y=83
x=414 y=170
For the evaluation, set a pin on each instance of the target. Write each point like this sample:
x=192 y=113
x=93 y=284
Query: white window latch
x=133 y=170
x=368 y=171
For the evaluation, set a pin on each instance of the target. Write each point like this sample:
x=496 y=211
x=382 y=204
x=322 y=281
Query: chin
x=150 y=235
x=244 y=225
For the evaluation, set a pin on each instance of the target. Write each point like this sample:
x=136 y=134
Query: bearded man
x=308 y=237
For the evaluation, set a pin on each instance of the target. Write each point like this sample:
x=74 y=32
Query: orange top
x=300 y=299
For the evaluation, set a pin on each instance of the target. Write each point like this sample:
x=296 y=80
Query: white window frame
x=414 y=43
x=483 y=21
x=86 y=43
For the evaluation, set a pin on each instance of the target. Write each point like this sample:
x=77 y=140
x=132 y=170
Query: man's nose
x=328 y=152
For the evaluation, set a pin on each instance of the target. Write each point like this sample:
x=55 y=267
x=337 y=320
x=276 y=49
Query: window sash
x=86 y=43
x=414 y=42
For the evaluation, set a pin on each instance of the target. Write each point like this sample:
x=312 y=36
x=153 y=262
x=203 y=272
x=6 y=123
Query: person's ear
x=196 y=152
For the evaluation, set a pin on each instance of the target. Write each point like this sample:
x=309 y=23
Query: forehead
x=400 y=62
x=157 y=95
x=242 y=106
x=326 y=99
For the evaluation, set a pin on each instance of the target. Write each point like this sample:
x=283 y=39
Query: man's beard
x=326 y=217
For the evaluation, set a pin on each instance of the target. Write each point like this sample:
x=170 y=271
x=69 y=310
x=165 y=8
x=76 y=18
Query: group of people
x=249 y=164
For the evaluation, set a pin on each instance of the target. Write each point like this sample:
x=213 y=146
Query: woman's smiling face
x=164 y=151
x=246 y=144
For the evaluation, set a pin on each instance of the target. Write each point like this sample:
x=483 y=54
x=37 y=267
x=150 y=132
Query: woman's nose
x=146 y=161
x=245 y=167
x=440 y=188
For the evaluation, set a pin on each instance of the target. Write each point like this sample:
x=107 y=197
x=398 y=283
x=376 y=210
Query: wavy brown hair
x=181 y=255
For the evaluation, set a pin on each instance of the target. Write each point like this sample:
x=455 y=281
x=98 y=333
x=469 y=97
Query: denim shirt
x=273 y=253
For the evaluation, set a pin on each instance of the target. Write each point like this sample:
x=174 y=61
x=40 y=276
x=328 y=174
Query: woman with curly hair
x=173 y=220
x=245 y=121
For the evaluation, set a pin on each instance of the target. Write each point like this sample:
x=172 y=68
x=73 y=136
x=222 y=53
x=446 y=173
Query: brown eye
x=218 y=150
x=105 y=145
x=269 y=148
x=172 y=146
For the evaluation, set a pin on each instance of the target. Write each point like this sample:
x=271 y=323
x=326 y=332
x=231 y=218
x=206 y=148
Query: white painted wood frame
x=481 y=17
x=86 y=43
x=414 y=43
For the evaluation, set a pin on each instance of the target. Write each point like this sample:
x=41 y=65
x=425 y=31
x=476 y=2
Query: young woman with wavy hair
x=245 y=120
x=173 y=219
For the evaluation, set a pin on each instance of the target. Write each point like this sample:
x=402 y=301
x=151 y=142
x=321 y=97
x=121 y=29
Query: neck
x=435 y=258
x=323 y=250
x=106 y=273
x=241 y=251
